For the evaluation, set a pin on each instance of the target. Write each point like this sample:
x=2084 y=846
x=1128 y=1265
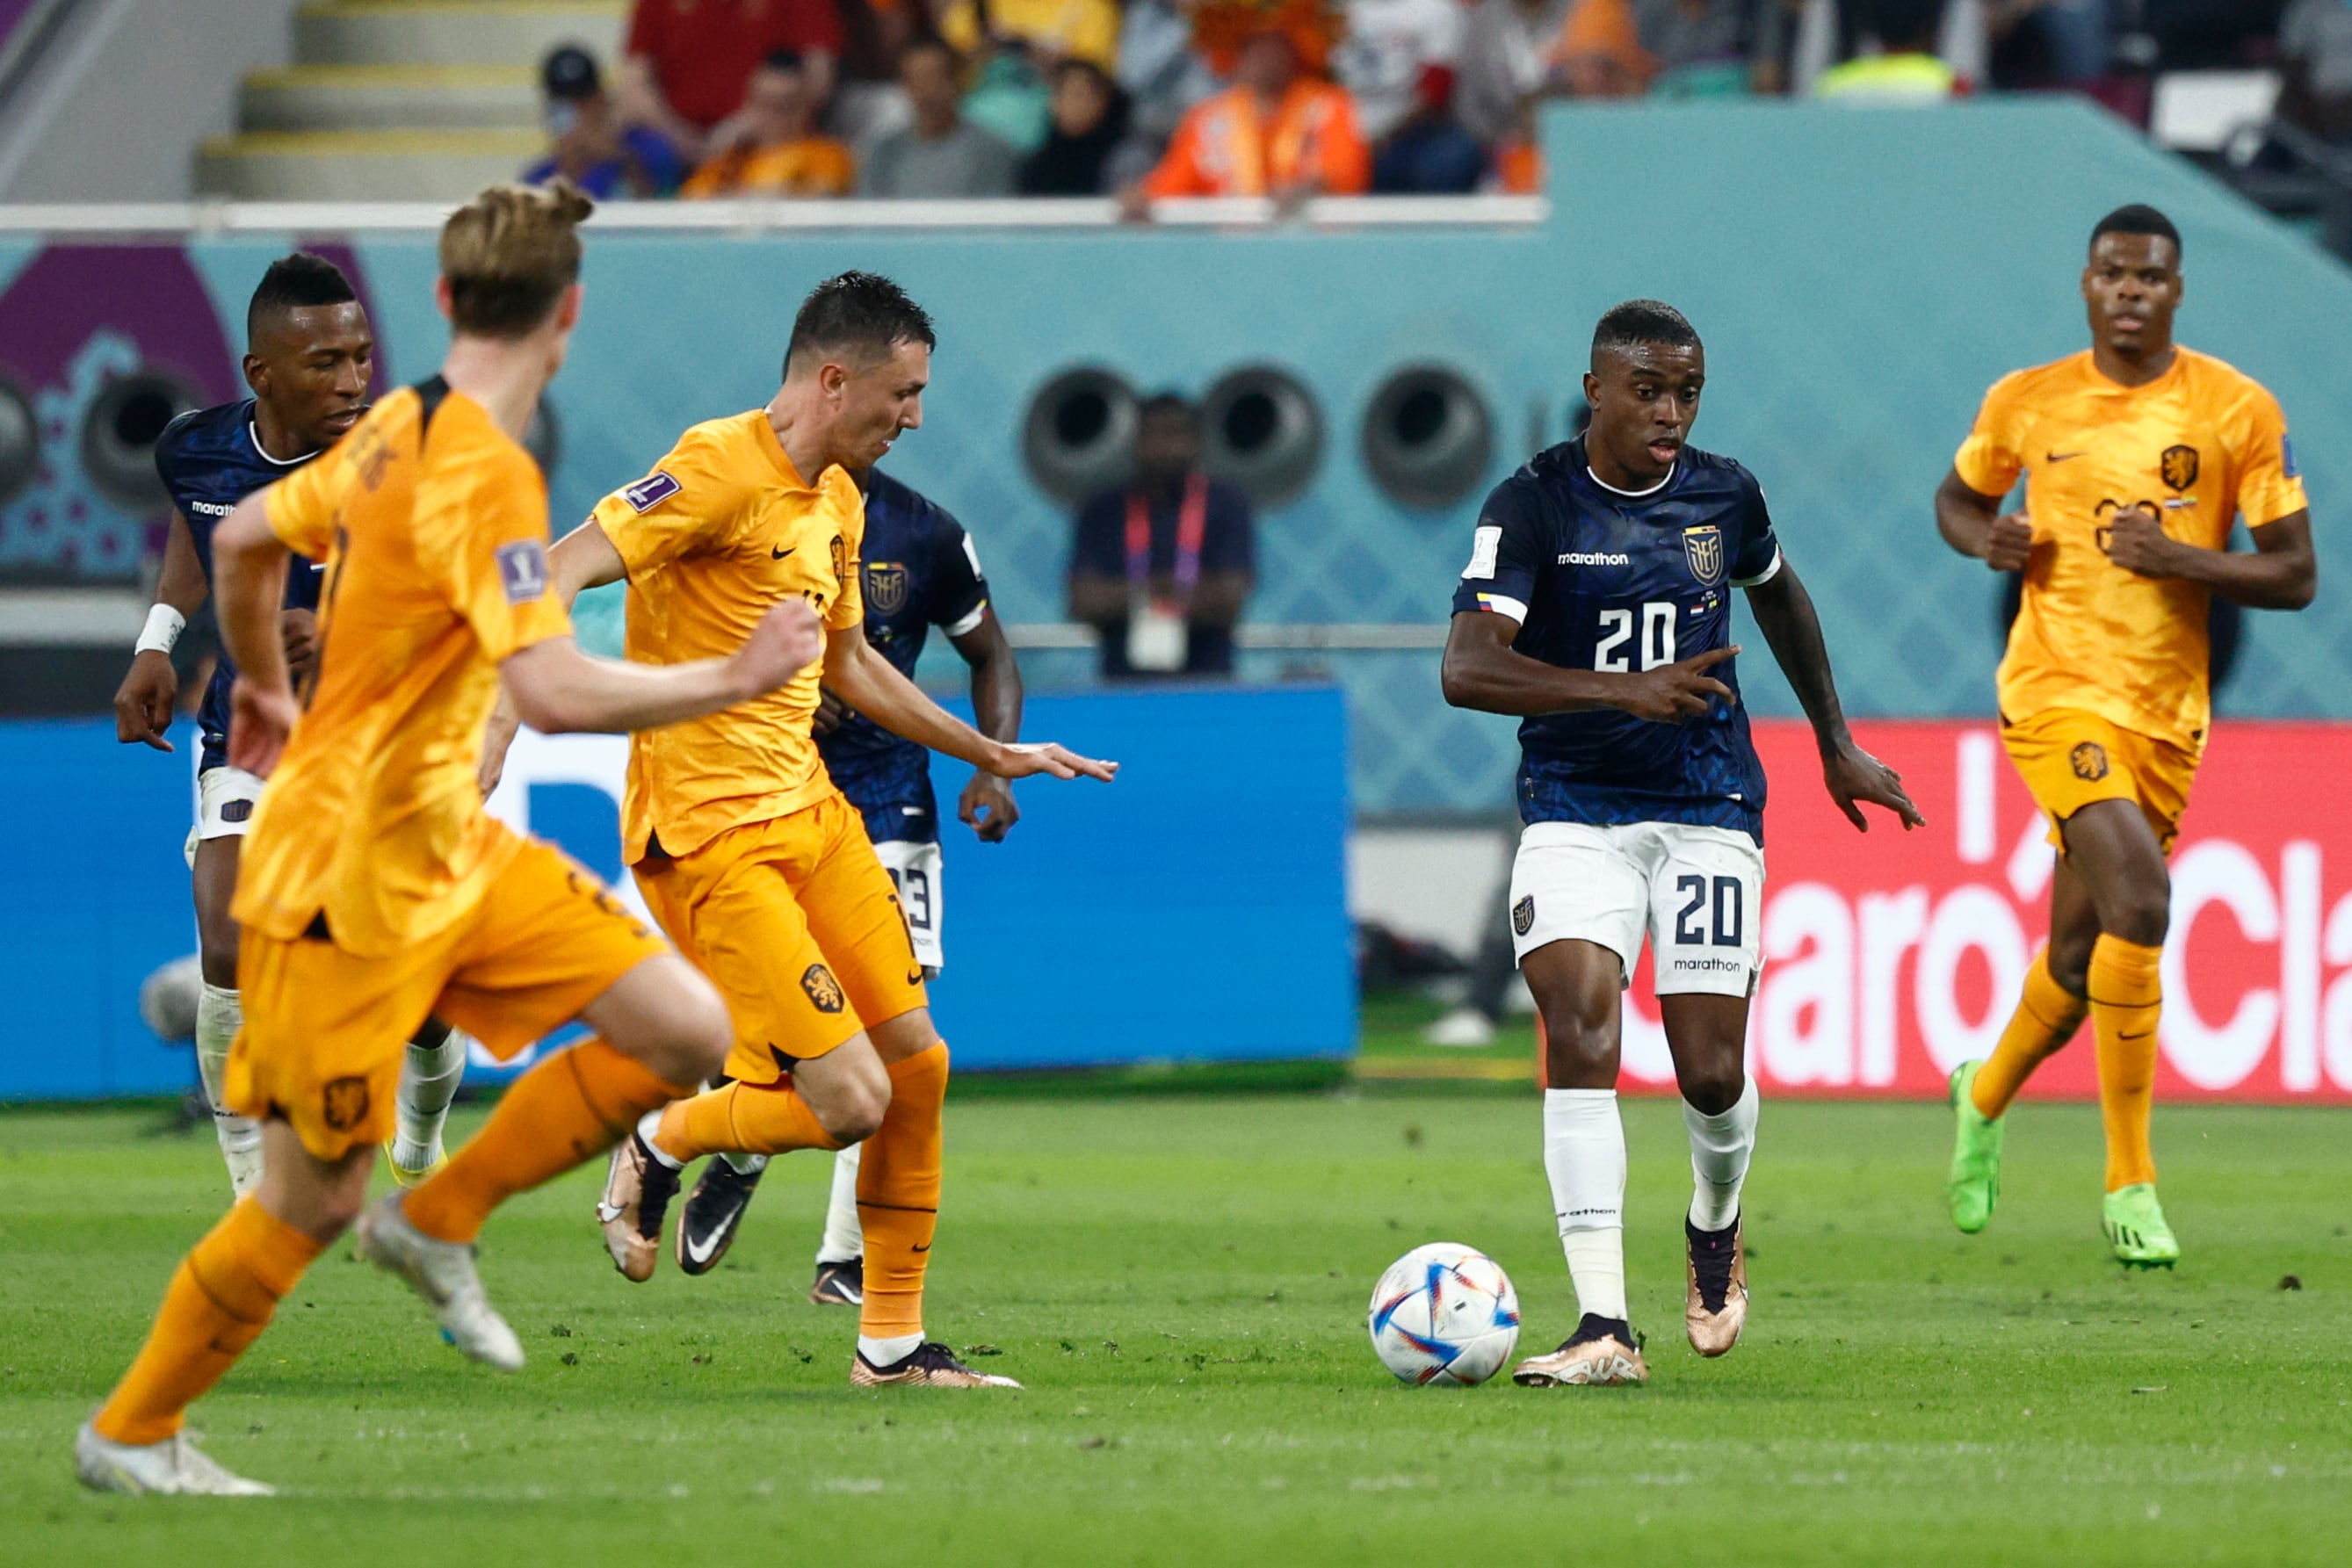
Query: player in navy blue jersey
x=920 y=571
x=1597 y=605
x=309 y=356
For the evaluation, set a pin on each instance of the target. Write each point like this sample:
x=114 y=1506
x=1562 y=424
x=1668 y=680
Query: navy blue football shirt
x=1602 y=579
x=920 y=571
x=210 y=459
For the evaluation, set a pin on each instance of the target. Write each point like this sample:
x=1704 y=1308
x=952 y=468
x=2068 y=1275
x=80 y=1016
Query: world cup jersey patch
x=650 y=491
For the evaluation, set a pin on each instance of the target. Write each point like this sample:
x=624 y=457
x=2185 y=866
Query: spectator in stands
x=587 y=143
x=1048 y=31
x=1506 y=50
x=1683 y=48
x=1163 y=74
x=1277 y=131
x=1089 y=125
x=869 y=103
x=2047 y=43
x=1906 y=70
x=689 y=60
x=1600 y=54
x=2316 y=43
x=940 y=156
x=1396 y=59
x=771 y=146
x=1161 y=567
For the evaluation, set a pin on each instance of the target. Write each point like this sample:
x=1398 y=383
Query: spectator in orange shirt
x=772 y=146
x=1276 y=132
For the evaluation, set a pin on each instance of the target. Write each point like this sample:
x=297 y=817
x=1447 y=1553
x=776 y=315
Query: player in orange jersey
x=2139 y=456
x=374 y=889
x=746 y=851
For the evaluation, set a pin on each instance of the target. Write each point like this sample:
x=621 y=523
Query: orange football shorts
x=325 y=1029
x=2070 y=758
x=797 y=923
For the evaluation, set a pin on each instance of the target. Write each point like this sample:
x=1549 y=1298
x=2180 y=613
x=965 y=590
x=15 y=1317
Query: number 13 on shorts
x=914 y=871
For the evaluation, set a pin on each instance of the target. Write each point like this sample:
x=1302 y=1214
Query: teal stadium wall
x=1860 y=276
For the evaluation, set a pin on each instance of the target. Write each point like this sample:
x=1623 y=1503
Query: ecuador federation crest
x=885 y=587
x=2177 y=464
x=1704 y=549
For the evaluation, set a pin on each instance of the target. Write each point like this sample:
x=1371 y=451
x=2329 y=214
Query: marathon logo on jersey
x=1704 y=549
x=650 y=491
x=2177 y=464
x=210 y=508
x=522 y=570
x=1595 y=557
x=885 y=587
x=825 y=992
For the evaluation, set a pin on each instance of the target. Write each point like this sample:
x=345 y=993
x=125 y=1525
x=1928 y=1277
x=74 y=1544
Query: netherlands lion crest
x=825 y=992
x=885 y=587
x=1703 y=547
x=2177 y=464
x=345 y=1102
x=840 y=559
x=2090 y=761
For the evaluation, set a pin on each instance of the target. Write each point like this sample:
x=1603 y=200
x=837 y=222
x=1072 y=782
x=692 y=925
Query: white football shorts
x=226 y=797
x=914 y=869
x=1698 y=893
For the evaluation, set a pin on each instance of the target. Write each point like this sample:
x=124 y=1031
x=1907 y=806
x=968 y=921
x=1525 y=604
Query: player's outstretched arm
x=581 y=559
x=870 y=683
x=1484 y=672
x=987 y=806
x=557 y=689
x=249 y=578
x=2282 y=573
x=151 y=690
x=1784 y=610
x=1973 y=523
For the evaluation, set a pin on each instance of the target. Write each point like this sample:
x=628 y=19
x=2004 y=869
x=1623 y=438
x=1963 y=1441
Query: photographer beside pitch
x=1597 y=605
x=2138 y=457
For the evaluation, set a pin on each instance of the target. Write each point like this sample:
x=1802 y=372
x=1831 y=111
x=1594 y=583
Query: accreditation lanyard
x=1191 y=531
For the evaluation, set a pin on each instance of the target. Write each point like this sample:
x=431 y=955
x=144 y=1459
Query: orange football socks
x=563 y=1113
x=2047 y=1017
x=2127 y=999
x=219 y=1301
x=740 y=1119
x=899 y=1196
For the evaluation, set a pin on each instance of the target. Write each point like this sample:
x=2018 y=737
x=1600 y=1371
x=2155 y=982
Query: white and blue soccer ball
x=1445 y=1314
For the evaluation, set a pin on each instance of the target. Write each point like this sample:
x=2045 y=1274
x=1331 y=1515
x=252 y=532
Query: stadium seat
x=390 y=100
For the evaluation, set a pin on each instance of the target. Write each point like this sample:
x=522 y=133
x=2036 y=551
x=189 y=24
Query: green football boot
x=2134 y=1223
x=1975 y=1182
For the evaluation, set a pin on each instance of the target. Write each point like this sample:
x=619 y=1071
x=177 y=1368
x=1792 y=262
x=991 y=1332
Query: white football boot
x=175 y=1466
x=443 y=1273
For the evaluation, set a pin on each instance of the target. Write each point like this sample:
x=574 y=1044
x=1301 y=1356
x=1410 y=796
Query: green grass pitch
x=1180 y=1281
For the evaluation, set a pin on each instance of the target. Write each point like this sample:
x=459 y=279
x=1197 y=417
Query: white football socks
x=746 y=1165
x=884 y=1352
x=647 y=1125
x=1584 y=1155
x=844 y=1237
x=1720 y=1146
x=428 y=1081
x=218 y=1014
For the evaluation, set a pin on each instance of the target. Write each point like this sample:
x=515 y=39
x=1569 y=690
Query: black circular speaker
x=20 y=441
x=1428 y=437
x=1079 y=438
x=120 y=430
x=543 y=438
x=1264 y=433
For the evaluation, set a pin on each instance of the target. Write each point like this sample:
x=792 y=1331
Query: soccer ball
x=1445 y=1314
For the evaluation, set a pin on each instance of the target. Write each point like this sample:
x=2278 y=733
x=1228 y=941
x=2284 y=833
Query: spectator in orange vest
x=771 y=146
x=1276 y=132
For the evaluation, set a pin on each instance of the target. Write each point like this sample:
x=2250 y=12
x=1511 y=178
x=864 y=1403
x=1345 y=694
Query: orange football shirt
x=721 y=529
x=433 y=523
x=2198 y=445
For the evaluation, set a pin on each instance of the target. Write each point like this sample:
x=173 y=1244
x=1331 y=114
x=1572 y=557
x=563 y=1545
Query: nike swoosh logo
x=703 y=1254
x=607 y=1214
x=2141 y=1035
x=2061 y=457
x=926 y=1246
x=781 y=554
x=916 y=979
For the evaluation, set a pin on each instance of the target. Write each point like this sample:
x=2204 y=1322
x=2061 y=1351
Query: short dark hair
x=1168 y=402
x=2138 y=218
x=293 y=282
x=858 y=310
x=1643 y=321
x=784 y=60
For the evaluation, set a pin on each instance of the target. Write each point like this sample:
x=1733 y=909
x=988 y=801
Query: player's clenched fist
x=787 y=640
x=1671 y=694
x=2009 y=542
